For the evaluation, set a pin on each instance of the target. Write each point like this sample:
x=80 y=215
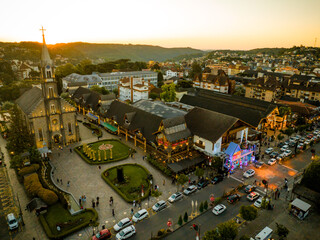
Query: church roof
x=29 y=100
x=45 y=57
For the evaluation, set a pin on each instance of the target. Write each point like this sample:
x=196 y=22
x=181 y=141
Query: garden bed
x=135 y=176
x=59 y=216
x=119 y=150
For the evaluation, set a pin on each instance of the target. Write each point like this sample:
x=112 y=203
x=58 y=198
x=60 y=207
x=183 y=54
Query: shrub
x=218 y=200
x=48 y=196
x=27 y=170
x=282 y=231
x=185 y=217
x=244 y=237
x=155 y=193
x=161 y=232
x=248 y=213
x=32 y=184
x=201 y=207
x=158 y=165
x=205 y=205
x=180 y=220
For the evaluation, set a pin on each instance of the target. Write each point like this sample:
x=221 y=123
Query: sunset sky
x=202 y=24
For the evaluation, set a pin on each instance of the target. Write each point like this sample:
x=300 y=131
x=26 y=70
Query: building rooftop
x=126 y=73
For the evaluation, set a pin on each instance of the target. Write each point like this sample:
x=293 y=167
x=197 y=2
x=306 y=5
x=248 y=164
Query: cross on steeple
x=42 y=30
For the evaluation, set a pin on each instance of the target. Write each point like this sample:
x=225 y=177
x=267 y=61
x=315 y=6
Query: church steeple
x=46 y=63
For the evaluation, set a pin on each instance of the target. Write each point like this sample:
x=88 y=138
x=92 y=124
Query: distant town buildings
x=134 y=89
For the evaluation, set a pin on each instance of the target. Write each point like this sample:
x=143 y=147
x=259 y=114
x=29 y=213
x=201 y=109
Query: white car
x=288 y=153
x=219 y=209
x=284 y=148
x=272 y=161
x=258 y=202
x=307 y=142
x=268 y=151
x=159 y=206
x=122 y=224
x=249 y=173
x=253 y=196
x=143 y=213
x=281 y=156
x=175 y=197
x=190 y=190
x=126 y=233
x=12 y=221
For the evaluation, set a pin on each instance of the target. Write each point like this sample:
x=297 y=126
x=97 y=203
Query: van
x=12 y=221
x=265 y=234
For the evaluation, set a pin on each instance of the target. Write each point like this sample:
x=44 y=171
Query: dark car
x=233 y=198
x=202 y=184
x=249 y=188
x=217 y=179
x=280 y=145
x=259 y=164
x=274 y=155
x=103 y=234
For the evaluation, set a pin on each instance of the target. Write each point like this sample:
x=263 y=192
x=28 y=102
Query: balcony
x=199 y=145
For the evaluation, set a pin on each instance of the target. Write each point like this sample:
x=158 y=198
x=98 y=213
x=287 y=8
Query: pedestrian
x=112 y=200
x=80 y=198
x=143 y=158
x=68 y=184
x=99 y=167
x=134 y=203
x=113 y=212
x=61 y=181
x=164 y=182
x=93 y=203
x=70 y=150
x=98 y=199
x=278 y=194
x=132 y=211
x=97 y=203
x=57 y=180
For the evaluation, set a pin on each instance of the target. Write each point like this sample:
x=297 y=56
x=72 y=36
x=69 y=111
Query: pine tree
x=185 y=217
x=180 y=220
x=201 y=207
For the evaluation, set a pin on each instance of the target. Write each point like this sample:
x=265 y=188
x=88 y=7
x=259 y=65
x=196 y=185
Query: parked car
x=249 y=173
x=175 y=197
x=233 y=198
x=272 y=161
x=253 y=196
x=307 y=142
x=288 y=153
x=103 y=234
x=122 y=224
x=138 y=216
x=280 y=144
x=249 y=188
x=259 y=164
x=310 y=136
x=12 y=221
x=190 y=189
x=274 y=154
x=258 y=202
x=292 y=144
x=268 y=150
x=300 y=146
x=126 y=233
x=217 y=179
x=220 y=208
x=302 y=140
x=281 y=157
x=286 y=142
x=159 y=206
x=284 y=148
x=203 y=183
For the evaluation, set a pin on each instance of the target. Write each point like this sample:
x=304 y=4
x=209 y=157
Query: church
x=50 y=119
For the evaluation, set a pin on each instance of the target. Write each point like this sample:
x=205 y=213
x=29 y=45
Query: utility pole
x=20 y=212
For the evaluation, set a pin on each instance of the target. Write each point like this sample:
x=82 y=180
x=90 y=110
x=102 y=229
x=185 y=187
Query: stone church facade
x=51 y=119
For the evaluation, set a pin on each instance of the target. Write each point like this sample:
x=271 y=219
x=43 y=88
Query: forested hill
x=80 y=50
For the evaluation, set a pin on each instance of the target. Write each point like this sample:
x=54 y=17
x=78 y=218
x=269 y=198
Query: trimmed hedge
x=79 y=151
x=158 y=165
x=49 y=233
x=30 y=169
x=118 y=190
x=34 y=188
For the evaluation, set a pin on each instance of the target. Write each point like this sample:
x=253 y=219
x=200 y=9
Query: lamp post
x=20 y=212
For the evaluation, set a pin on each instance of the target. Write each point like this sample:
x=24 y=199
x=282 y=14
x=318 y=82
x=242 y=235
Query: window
x=50 y=92
x=52 y=109
x=40 y=134
x=70 y=128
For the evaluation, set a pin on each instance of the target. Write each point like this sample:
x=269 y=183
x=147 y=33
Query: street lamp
x=20 y=212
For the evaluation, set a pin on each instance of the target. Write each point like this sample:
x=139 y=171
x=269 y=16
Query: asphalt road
x=155 y=222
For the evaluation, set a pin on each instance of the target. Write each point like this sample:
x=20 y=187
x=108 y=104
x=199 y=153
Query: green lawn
x=58 y=215
x=120 y=151
x=135 y=177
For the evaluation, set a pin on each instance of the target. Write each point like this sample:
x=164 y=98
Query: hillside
x=80 y=50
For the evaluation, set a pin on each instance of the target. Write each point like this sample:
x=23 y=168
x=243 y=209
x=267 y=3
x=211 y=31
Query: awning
x=91 y=116
x=301 y=205
x=109 y=126
x=184 y=164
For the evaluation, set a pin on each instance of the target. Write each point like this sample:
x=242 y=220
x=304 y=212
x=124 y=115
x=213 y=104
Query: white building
x=170 y=74
x=133 y=89
x=108 y=80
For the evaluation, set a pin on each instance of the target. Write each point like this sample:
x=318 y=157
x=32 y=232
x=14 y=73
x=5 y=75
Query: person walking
x=134 y=203
x=93 y=204
x=80 y=198
x=113 y=212
x=164 y=182
x=70 y=150
x=61 y=181
x=99 y=167
x=57 y=180
x=68 y=184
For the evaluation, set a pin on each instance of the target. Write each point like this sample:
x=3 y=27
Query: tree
x=98 y=89
x=239 y=91
x=228 y=230
x=116 y=92
x=153 y=96
x=217 y=163
x=35 y=155
x=185 y=217
x=182 y=179
x=195 y=69
x=284 y=110
x=201 y=207
x=160 y=79
x=7 y=105
x=155 y=66
x=19 y=139
x=120 y=175
x=205 y=205
x=280 y=137
x=248 y=213
x=311 y=176
x=16 y=162
x=185 y=84
x=244 y=237
x=180 y=220
x=211 y=235
x=199 y=172
x=168 y=92
x=282 y=231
